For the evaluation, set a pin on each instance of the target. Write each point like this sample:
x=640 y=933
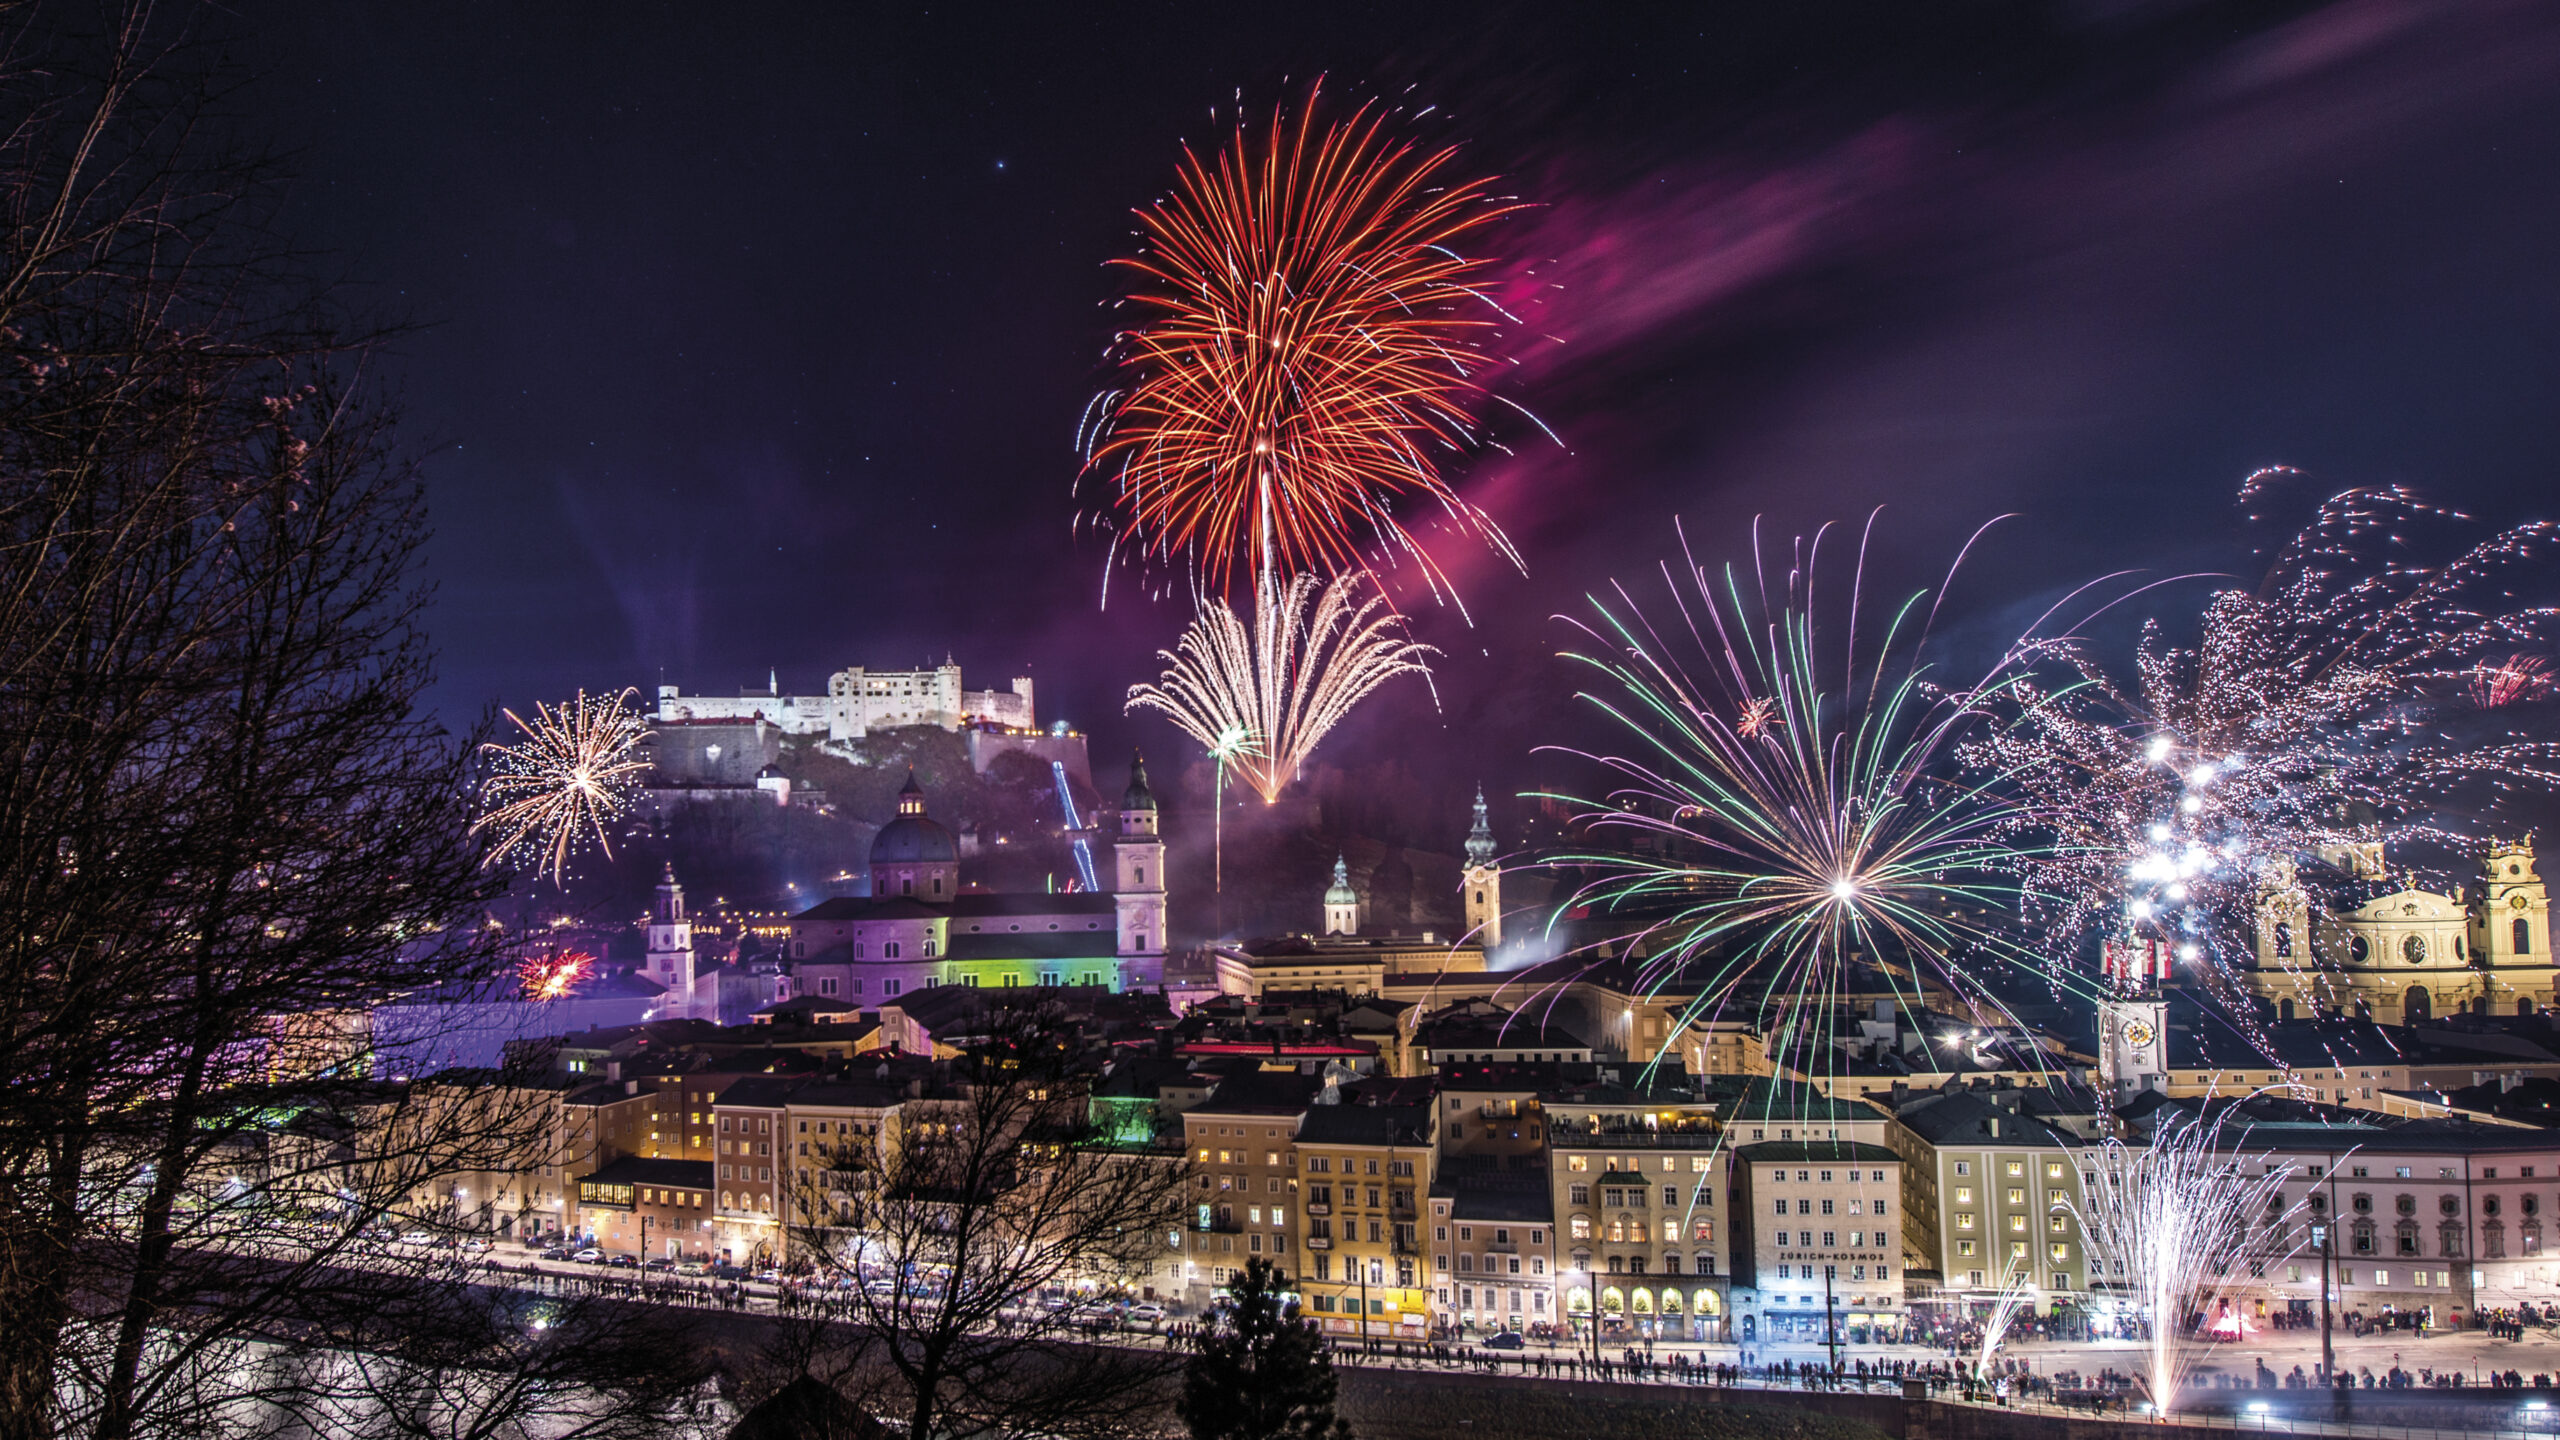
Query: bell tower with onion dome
x=1137 y=860
x=1483 y=882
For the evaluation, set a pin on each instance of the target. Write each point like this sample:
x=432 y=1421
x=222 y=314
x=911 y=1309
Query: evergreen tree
x=1258 y=1371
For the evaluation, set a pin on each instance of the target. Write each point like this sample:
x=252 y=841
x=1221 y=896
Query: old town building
x=1363 y=1170
x=1818 y=1240
x=1243 y=1148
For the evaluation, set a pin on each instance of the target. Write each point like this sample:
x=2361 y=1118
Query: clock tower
x=2133 y=1044
x=1138 y=895
x=2510 y=924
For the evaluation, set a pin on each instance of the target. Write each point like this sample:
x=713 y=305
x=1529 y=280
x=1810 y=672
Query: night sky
x=755 y=336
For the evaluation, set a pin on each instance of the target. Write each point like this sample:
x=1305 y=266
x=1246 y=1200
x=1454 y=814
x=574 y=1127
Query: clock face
x=2138 y=1034
x=2516 y=901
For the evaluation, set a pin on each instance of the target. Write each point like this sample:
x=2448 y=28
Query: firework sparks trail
x=2518 y=678
x=1313 y=650
x=2170 y=1220
x=1788 y=803
x=2014 y=1297
x=551 y=792
x=1229 y=745
x=2327 y=712
x=553 y=974
x=1313 y=338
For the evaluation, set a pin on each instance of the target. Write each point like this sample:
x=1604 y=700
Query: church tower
x=2133 y=1044
x=2284 y=917
x=1341 y=902
x=2511 y=923
x=1483 y=882
x=670 y=961
x=1137 y=859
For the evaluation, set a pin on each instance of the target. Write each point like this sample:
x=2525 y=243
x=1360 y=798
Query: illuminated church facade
x=919 y=928
x=2411 y=955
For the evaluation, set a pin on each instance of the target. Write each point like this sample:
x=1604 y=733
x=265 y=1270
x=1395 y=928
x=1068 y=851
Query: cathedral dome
x=914 y=837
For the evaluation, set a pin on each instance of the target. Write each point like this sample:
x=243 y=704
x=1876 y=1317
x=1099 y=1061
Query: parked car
x=1146 y=1314
x=692 y=1268
x=417 y=1237
x=589 y=1256
x=624 y=1262
x=556 y=1252
x=1508 y=1340
x=660 y=1263
x=727 y=1272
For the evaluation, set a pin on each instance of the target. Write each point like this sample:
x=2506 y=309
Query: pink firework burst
x=2521 y=677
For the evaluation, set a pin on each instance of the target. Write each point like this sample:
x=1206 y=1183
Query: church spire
x=1341 y=902
x=1480 y=838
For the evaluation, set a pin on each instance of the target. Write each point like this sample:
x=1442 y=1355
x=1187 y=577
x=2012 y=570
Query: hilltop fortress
x=859 y=701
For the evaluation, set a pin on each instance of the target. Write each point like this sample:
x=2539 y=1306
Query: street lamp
x=1830 y=1322
x=2328 y=1356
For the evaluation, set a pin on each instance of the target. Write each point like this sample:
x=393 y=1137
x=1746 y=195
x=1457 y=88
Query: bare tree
x=226 y=829
x=949 y=1241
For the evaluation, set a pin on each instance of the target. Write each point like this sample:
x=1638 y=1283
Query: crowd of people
x=1561 y=1358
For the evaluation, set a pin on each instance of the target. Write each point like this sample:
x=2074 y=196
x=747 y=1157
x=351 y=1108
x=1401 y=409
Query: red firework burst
x=2522 y=677
x=553 y=974
x=1315 y=337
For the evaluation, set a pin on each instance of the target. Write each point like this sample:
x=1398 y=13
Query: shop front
x=1670 y=1313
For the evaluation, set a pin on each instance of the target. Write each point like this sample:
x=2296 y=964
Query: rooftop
x=1383 y=1125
